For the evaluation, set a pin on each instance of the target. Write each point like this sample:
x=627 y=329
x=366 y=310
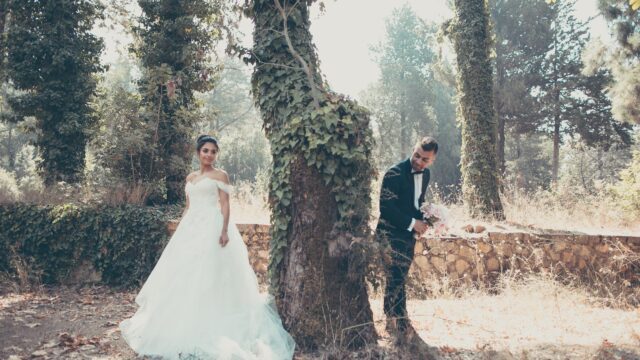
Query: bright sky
x=348 y=28
x=345 y=32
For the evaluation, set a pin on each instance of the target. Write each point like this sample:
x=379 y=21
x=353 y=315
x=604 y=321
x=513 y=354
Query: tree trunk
x=11 y=150
x=3 y=46
x=405 y=131
x=520 y=179
x=404 y=135
x=321 y=147
x=500 y=148
x=470 y=30
x=498 y=103
x=556 y=149
x=556 y=111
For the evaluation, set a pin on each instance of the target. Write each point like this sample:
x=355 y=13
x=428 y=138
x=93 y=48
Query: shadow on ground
x=80 y=323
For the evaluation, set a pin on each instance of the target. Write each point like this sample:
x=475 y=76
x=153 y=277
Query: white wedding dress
x=201 y=301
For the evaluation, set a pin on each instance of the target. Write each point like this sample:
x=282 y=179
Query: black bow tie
x=416 y=173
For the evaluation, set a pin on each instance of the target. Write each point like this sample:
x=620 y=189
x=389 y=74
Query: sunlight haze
x=347 y=29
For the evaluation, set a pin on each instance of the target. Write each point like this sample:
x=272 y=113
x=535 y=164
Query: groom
x=403 y=190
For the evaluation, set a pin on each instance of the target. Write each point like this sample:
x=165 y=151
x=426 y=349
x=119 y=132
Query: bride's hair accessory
x=202 y=139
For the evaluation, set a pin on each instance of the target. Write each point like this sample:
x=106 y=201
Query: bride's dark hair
x=203 y=139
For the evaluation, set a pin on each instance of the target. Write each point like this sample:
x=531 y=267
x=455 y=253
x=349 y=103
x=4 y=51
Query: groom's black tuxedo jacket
x=397 y=201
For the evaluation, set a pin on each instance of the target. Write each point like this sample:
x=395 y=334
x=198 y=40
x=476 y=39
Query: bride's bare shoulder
x=191 y=176
x=220 y=175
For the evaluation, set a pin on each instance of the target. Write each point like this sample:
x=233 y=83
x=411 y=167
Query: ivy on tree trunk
x=52 y=58
x=320 y=185
x=471 y=37
x=175 y=37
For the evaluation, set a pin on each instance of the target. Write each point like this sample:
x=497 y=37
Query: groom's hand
x=420 y=227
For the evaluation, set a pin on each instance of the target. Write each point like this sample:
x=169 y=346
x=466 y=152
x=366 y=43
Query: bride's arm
x=226 y=210
x=186 y=207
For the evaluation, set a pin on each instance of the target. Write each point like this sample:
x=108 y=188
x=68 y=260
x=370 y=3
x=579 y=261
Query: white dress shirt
x=417 y=190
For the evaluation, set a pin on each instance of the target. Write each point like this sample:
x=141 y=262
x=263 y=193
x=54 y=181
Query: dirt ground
x=82 y=323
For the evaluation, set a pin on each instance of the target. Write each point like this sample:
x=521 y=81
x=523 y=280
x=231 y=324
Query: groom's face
x=421 y=159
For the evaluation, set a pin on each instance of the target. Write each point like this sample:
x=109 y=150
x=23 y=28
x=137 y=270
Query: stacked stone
x=473 y=259
x=479 y=258
x=256 y=237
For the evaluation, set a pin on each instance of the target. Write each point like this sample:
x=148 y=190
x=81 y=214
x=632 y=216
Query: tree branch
x=297 y=56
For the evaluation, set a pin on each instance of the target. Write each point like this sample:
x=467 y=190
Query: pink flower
x=437 y=216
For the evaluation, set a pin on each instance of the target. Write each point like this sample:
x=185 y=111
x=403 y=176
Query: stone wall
x=256 y=237
x=481 y=257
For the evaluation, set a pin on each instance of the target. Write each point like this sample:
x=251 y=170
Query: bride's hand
x=224 y=239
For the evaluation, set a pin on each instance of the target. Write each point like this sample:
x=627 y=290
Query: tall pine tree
x=174 y=39
x=52 y=59
x=410 y=101
x=404 y=58
x=523 y=38
x=572 y=103
x=470 y=32
x=622 y=58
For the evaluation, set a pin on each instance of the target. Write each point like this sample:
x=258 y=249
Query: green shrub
x=627 y=190
x=123 y=242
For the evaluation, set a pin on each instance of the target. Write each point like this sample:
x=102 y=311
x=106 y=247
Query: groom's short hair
x=428 y=143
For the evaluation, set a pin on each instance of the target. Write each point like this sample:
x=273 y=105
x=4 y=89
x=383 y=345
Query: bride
x=202 y=300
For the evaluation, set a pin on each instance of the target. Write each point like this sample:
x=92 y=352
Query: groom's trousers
x=395 y=297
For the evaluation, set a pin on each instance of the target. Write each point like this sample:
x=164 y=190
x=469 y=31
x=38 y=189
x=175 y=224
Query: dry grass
x=123 y=194
x=60 y=193
x=249 y=205
x=535 y=317
x=570 y=209
x=521 y=314
x=526 y=315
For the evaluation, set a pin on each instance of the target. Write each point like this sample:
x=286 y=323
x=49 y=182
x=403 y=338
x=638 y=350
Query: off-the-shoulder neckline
x=206 y=177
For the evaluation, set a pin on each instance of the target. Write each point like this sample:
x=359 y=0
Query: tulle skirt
x=202 y=300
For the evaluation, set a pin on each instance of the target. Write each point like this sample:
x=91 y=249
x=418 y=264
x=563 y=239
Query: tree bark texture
x=471 y=37
x=316 y=279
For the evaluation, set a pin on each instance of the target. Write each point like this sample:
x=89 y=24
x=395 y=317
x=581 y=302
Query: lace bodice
x=204 y=192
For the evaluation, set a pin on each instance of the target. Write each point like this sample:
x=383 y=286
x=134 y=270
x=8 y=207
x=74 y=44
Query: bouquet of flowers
x=437 y=216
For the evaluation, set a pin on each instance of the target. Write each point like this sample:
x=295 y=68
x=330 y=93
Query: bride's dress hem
x=201 y=301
